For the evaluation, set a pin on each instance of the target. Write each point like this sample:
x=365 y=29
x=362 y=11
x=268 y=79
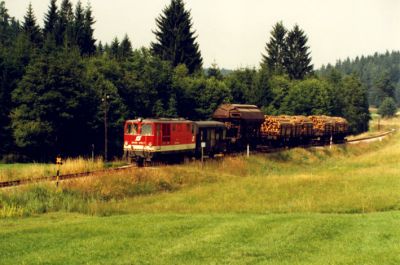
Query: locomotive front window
x=147 y=129
x=132 y=128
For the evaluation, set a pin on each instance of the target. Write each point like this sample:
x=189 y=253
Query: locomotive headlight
x=126 y=143
x=150 y=144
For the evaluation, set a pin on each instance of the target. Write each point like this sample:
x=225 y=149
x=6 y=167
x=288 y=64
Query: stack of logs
x=323 y=125
x=302 y=126
x=340 y=125
x=276 y=126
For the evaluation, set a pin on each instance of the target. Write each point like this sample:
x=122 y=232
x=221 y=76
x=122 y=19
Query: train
x=233 y=128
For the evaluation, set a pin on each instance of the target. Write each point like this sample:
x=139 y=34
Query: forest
x=58 y=82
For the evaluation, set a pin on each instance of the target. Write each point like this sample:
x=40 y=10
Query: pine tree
x=88 y=42
x=30 y=27
x=175 y=39
x=276 y=50
x=100 y=48
x=79 y=22
x=65 y=25
x=50 y=19
x=387 y=108
x=382 y=88
x=215 y=72
x=125 y=48
x=114 y=48
x=355 y=104
x=297 y=59
x=4 y=23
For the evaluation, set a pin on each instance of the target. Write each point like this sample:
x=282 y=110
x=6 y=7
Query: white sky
x=233 y=33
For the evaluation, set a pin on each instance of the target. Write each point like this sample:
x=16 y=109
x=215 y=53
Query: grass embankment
x=36 y=170
x=314 y=206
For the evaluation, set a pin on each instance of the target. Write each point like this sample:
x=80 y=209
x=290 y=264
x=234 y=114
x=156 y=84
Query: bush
x=388 y=107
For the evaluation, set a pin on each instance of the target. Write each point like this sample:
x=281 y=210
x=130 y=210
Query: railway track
x=19 y=182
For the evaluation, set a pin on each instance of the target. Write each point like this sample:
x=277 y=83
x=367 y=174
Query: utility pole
x=104 y=99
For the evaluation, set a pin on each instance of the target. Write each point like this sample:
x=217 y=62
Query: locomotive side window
x=147 y=129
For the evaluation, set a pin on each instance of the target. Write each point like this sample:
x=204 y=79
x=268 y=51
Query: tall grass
x=35 y=170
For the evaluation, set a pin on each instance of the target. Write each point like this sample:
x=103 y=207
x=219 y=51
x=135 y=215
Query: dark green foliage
x=355 y=104
x=382 y=89
x=388 y=107
x=31 y=29
x=79 y=23
x=175 y=40
x=280 y=86
x=307 y=97
x=215 y=72
x=125 y=48
x=65 y=24
x=54 y=107
x=297 y=59
x=276 y=50
x=50 y=20
x=241 y=82
x=378 y=72
x=87 y=45
x=9 y=27
x=114 y=49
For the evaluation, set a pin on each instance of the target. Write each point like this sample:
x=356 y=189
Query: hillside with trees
x=379 y=73
x=58 y=82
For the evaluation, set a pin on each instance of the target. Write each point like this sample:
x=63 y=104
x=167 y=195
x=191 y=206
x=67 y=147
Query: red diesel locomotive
x=148 y=138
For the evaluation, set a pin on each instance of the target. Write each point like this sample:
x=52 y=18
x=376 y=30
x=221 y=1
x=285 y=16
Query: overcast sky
x=233 y=33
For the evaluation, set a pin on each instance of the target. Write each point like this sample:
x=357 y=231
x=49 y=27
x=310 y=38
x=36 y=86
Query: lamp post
x=104 y=99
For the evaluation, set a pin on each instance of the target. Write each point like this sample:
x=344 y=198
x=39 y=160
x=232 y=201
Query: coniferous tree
x=276 y=50
x=4 y=23
x=100 y=48
x=175 y=40
x=30 y=27
x=382 y=88
x=64 y=29
x=88 y=46
x=297 y=59
x=79 y=23
x=114 y=48
x=125 y=48
x=355 y=104
x=387 y=108
x=215 y=72
x=50 y=20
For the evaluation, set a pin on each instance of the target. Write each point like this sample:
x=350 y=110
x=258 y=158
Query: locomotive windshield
x=147 y=129
x=132 y=128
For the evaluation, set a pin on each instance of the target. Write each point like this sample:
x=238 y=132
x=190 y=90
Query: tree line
x=379 y=73
x=57 y=82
